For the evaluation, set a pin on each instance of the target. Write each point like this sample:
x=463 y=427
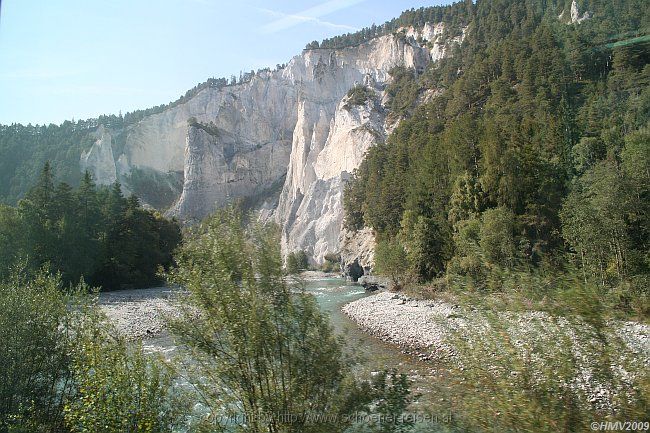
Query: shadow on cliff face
x=354 y=270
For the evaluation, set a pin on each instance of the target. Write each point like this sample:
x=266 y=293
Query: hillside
x=532 y=154
x=508 y=93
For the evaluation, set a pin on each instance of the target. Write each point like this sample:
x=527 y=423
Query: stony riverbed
x=430 y=329
x=138 y=313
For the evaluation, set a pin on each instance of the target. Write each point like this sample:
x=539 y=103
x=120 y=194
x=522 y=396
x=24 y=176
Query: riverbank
x=433 y=330
x=138 y=313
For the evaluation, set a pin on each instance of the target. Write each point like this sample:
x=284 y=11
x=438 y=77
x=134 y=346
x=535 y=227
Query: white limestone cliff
x=293 y=125
x=574 y=15
x=99 y=158
x=219 y=169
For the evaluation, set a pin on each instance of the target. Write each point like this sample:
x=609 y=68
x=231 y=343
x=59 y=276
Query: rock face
x=294 y=125
x=219 y=168
x=99 y=159
x=574 y=15
x=331 y=136
x=311 y=204
x=357 y=252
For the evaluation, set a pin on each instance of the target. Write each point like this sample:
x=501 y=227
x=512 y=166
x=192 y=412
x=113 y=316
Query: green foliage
x=496 y=236
x=403 y=90
x=34 y=351
x=272 y=351
x=119 y=389
x=483 y=245
x=596 y=222
x=359 y=95
x=457 y=14
x=391 y=391
x=424 y=239
x=527 y=379
x=534 y=144
x=161 y=190
x=353 y=200
x=266 y=351
x=391 y=260
x=63 y=370
x=468 y=260
x=25 y=149
x=466 y=200
x=297 y=261
x=92 y=233
x=209 y=128
x=10 y=238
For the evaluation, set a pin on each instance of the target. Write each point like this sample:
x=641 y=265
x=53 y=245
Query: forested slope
x=531 y=151
x=91 y=233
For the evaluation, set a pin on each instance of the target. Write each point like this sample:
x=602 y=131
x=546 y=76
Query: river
x=372 y=354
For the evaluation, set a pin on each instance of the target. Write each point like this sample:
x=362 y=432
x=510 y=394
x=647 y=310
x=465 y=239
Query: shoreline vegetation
x=522 y=369
x=250 y=345
x=561 y=355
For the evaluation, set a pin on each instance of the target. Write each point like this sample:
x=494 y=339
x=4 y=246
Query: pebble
x=138 y=313
x=423 y=328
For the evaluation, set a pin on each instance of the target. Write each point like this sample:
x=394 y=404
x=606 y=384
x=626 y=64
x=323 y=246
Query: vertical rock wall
x=294 y=125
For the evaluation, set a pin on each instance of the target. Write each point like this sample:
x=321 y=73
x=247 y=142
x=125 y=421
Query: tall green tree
x=266 y=350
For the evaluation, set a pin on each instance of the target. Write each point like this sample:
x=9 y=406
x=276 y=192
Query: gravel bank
x=424 y=328
x=411 y=324
x=138 y=313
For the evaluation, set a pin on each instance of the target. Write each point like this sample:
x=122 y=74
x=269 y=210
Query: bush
x=119 y=389
x=359 y=95
x=263 y=349
x=62 y=371
x=332 y=263
x=391 y=261
x=508 y=377
x=297 y=262
x=34 y=346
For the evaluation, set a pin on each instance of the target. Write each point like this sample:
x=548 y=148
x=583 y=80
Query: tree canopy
x=534 y=148
x=90 y=232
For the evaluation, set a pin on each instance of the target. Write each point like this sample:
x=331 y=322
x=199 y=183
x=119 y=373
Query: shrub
x=263 y=349
x=297 y=261
x=63 y=371
x=359 y=95
x=508 y=377
x=391 y=261
x=36 y=376
x=118 y=389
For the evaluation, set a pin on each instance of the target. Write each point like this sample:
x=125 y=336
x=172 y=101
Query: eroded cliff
x=295 y=125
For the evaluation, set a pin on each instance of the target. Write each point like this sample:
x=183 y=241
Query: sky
x=76 y=59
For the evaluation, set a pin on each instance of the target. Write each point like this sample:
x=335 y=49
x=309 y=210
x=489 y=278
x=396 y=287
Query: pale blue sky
x=68 y=59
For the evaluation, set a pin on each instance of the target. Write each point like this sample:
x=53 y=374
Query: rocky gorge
x=286 y=140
